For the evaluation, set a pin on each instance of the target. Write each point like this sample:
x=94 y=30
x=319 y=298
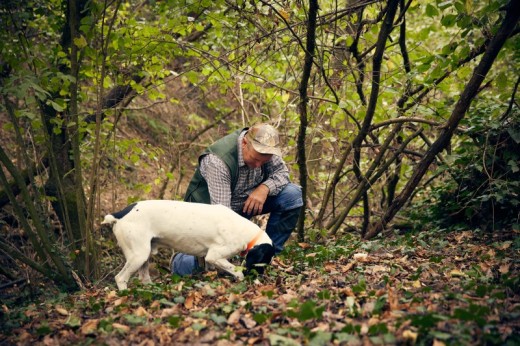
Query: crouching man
x=245 y=172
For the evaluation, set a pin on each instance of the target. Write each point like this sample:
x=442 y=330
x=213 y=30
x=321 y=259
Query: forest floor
x=430 y=287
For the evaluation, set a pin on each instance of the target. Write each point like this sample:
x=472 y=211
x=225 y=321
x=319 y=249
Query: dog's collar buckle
x=251 y=244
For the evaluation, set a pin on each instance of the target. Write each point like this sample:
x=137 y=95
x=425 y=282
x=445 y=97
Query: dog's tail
x=109 y=220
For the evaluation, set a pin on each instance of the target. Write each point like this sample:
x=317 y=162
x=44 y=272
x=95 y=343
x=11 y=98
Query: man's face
x=252 y=158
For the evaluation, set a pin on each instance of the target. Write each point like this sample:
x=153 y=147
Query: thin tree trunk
x=386 y=29
x=304 y=99
x=47 y=248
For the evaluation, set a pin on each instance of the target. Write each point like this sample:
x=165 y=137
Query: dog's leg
x=215 y=258
x=133 y=263
x=144 y=273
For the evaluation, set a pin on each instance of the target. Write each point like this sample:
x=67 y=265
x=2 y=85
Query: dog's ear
x=258 y=257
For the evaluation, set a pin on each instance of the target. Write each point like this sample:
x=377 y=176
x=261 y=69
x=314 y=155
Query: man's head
x=260 y=143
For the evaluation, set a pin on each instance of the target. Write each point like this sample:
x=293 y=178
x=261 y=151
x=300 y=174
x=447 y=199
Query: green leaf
x=198 y=326
x=73 y=321
x=308 y=310
x=431 y=10
x=261 y=318
x=426 y=321
x=218 y=319
x=80 y=42
x=174 y=321
x=449 y=20
x=56 y=106
x=44 y=329
x=321 y=338
x=135 y=320
x=278 y=340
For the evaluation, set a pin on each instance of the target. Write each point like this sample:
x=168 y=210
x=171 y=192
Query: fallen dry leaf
x=378 y=269
x=361 y=257
x=62 y=311
x=120 y=301
x=188 y=303
x=89 y=327
x=140 y=311
x=504 y=268
x=121 y=327
x=248 y=322
x=347 y=267
x=234 y=317
x=505 y=245
x=156 y=304
x=169 y=312
x=410 y=335
x=456 y=273
x=111 y=295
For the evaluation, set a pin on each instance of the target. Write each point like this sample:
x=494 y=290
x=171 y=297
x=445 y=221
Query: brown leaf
x=456 y=273
x=378 y=269
x=120 y=301
x=505 y=245
x=188 y=303
x=349 y=266
x=361 y=257
x=121 y=327
x=169 y=312
x=248 y=322
x=410 y=335
x=234 y=317
x=89 y=327
x=62 y=311
x=111 y=295
x=393 y=299
x=140 y=311
x=330 y=267
x=155 y=304
x=504 y=268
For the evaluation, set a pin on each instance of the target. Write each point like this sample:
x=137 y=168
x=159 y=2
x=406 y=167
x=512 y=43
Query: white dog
x=211 y=231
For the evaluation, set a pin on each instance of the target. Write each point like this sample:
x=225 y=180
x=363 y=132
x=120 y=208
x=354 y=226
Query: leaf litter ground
x=437 y=288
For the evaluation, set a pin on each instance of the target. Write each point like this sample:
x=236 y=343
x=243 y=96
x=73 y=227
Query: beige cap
x=264 y=139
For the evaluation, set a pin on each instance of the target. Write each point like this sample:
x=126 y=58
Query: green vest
x=226 y=149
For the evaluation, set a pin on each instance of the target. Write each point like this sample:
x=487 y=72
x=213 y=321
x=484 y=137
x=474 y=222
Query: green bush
x=483 y=189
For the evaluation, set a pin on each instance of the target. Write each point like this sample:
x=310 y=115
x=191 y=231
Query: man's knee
x=183 y=264
x=291 y=197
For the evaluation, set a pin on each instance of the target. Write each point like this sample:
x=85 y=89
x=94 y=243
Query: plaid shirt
x=218 y=177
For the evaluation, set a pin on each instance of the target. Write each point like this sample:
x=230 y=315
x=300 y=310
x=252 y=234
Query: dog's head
x=258 y=258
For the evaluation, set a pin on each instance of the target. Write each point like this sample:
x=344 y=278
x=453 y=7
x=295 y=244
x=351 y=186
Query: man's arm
x=277 y=175
x=217 y=175
x=277 y=178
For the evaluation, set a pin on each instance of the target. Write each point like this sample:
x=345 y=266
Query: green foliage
x=484 y=191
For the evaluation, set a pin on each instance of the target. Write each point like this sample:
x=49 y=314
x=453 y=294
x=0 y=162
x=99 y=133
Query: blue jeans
x=284 y=209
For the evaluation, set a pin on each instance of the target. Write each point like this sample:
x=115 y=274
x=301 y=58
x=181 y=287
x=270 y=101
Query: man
x=244 y=171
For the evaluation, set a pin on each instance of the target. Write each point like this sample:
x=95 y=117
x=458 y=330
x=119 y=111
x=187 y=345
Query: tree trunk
x=304 y=98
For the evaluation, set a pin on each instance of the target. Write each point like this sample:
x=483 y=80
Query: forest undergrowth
x=430 y=287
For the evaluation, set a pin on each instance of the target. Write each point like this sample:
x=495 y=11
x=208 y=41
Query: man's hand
x=255 y=201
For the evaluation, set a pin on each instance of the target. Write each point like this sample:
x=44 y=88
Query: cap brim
x=264 y=149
